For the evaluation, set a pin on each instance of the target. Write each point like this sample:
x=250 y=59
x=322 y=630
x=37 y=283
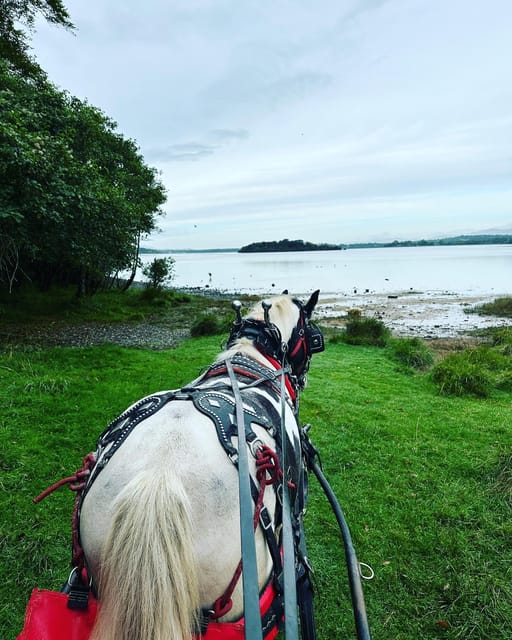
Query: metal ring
x=366 y=576
x=72 y=575
x=255 y=445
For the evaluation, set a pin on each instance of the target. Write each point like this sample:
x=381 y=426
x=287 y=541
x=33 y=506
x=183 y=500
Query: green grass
x=424 y=481
x=417 y=476
x=30 y=306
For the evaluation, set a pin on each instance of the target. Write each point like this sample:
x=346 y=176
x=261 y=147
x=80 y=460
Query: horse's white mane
x=284 y=313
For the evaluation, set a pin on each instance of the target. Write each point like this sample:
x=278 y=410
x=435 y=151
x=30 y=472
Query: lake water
x=477 y=270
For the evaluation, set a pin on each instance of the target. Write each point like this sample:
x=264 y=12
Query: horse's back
x=184 y=442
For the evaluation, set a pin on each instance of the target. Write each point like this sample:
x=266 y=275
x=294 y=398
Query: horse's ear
x=311 y=303
x=285 y=292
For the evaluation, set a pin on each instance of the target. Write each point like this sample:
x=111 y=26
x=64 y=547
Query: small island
x=286 y=245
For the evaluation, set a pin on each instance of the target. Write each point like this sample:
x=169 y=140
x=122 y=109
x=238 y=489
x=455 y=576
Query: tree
x=159 y=272
x=14 y=47
x=75 y=196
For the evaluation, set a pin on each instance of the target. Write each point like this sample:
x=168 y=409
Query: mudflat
x=428 y=315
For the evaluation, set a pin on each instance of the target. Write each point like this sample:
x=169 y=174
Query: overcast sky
x=326 y=120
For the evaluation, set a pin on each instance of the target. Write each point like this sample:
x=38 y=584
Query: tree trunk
x=135 y=263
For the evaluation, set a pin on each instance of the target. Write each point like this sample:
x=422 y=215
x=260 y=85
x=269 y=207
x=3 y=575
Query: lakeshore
x=416 y=291
x=428 y=315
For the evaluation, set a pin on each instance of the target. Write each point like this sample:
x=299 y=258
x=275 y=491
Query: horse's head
x=281 y=327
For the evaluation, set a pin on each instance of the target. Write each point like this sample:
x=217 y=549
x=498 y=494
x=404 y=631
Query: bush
x=456 y=375
x=206 y=325
x=502 y=338
x=155 y=297
x=367 y=331
x=411 y=352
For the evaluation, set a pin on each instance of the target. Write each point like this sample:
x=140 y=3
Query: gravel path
x=146 y=335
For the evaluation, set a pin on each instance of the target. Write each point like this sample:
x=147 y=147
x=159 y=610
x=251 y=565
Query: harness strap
x=289 y=584
x=250 y=572
x=268 y=473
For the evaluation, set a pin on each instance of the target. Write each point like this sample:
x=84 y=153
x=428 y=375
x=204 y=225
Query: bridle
x=306 y=339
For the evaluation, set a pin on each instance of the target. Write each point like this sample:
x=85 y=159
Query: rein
x=250 y=572
x=289 y=581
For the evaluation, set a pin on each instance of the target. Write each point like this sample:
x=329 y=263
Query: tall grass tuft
x=502 y=338
x=360 y=330
x=501 y=307
x=207 y=325
x=413 y=353
x=474 y=371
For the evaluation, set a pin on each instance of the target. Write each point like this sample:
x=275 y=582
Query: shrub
x=155 y=297
x=502 y=338
x=411 y=352
x=367 y=331
x=206 y=325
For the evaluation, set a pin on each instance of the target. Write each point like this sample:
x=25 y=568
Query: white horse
x=160 y=523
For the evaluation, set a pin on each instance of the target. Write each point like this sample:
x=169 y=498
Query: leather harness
x=233 y=410
x=217 y=401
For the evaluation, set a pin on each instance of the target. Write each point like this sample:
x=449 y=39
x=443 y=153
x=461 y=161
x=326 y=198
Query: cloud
x=188 y=152
x=194 y=151
x=229 y=135
x=338 y=119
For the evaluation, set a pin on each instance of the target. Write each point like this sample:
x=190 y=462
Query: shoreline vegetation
x=301 y=245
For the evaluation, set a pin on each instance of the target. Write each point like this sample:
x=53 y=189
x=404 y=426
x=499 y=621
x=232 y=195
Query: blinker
x=314 y=338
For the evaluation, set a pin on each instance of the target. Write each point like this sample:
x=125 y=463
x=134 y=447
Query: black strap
x=354 y=575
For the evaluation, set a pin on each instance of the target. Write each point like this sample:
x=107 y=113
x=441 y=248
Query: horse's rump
x=181 y=443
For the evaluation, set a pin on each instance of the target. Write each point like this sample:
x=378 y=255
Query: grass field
x=425 y=482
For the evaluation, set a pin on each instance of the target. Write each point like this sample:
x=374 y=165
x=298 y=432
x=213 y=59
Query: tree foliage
x=159 y=272
x=16 y=14
x=75 y=195
x=286 y=245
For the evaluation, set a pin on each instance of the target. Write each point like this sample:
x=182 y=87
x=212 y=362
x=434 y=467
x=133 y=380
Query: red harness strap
x=268 y=471
x=77 y=483
x=289 y=386
x=235 y=630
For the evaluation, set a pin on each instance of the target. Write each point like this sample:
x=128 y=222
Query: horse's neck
x=245 y=347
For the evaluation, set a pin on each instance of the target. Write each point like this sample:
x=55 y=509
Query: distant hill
x=287 y=245
x=300 y=245
x=147 y=250
x=456 y=240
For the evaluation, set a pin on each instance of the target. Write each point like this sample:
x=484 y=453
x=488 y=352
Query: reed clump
x=501 y=307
